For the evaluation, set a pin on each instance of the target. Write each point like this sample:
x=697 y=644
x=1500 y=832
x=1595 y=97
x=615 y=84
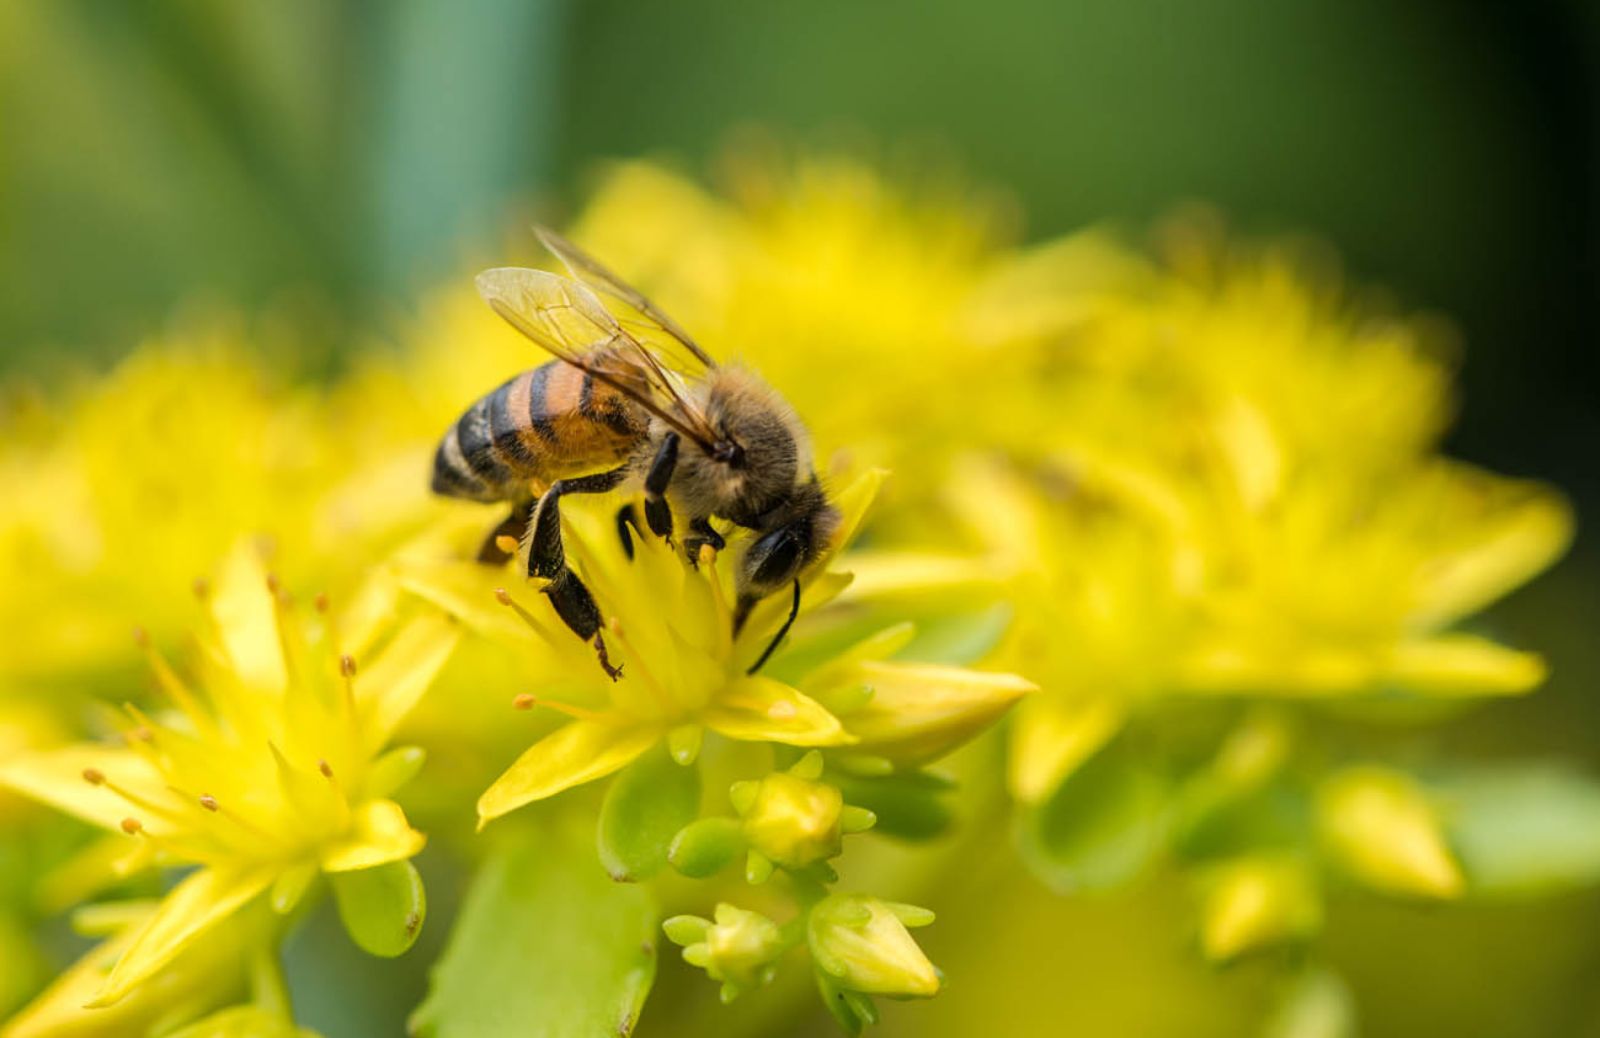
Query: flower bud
x=793 y=820
x=1379 y=826
x=740 y=948
x=1257 y=901
x=861 y=944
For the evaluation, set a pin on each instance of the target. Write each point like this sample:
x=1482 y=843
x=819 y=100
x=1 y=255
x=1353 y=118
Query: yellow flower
x=272 y=772
x=209 y=973
x=670 y=627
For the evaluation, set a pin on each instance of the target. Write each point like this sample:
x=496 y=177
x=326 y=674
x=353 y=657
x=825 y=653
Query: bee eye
x=773 y=558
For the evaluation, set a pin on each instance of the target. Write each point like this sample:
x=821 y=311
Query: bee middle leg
x=656 y=511
x=547 y=558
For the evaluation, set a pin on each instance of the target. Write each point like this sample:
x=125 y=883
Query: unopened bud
x=791 y=820
x=861 y=944
x=740 y=948
x=1378 y=824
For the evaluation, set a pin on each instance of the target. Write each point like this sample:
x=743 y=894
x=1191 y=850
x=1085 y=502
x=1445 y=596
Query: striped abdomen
x=547 y=423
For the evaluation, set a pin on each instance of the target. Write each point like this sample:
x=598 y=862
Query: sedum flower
x=740 y=948
x=861 y=944
x=669 y=625
x=210 y=972
x=269 y=772
x=1380 y=827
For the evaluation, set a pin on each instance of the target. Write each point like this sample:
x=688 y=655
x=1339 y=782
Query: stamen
x=138 y=800
x=169 y=682
x=503 y=596
x=724 y=621
x=663 y=697
x=526 y=701
x=131 y=826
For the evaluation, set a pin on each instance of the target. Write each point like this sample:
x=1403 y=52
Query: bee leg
x=547 y=559
x=772 y=646
x=626 y=517
x=700 y=532
x=656 y=512
x=512 y=526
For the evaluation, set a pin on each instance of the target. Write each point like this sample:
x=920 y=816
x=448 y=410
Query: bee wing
x=652 y=326
x=567 y=319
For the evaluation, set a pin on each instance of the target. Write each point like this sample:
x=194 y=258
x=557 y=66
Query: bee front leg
x=701 y=533
x=656 y=511
x=547 y=558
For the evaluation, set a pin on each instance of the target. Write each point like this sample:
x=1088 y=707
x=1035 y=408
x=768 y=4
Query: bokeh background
x=317 y=164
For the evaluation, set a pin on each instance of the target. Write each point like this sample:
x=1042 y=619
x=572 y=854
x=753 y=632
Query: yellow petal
x=759 y=709
x=379 y=833
x=246 y=619
x=854 y=501
x=921 y=711
x=897 y=574
x=1052 y=737
x=56 y=777
x=1464 y=665
x=465 y=591
x=570 y=756
x=1519 y=529
x=390 y=685
x=203 y=900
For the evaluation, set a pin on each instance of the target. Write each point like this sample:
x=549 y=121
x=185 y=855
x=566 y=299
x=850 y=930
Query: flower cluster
x=1176 y=527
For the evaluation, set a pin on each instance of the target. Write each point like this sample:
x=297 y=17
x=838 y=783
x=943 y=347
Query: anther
x=201 y=588
x=347 y=666
x=131 y=826
x=273 y=584
x=525 y=701
x=706 y=555
x=321 y=602
x=506 y=543
x=141 y=637
x=502 y=596
x=322 y=766
x=208 y=801
x=94 y=776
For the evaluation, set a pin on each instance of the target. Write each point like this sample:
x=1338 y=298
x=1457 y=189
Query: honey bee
x=630 y=398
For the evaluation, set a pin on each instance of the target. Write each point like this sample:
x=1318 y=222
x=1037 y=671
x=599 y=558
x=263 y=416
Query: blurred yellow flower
x=273 y=772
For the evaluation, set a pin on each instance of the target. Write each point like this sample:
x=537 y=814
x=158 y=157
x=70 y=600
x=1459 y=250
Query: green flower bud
x=862 y=945
x=792 y=820
x=740 y=948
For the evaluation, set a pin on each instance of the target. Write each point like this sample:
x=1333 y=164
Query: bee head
x=790 y=541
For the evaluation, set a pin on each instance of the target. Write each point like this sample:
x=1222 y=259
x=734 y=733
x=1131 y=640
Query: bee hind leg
x=547 y=558
x=656 y=511
x=514 y=526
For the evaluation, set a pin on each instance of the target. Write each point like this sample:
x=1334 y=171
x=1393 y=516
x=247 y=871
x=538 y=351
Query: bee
x=630 y=399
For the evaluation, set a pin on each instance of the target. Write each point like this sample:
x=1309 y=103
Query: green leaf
x=382 y=907
x=706 y=847
x=545 y=947
x=648 y=802
x=910 y=805
x=1523 y=830
x=1100 y=829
